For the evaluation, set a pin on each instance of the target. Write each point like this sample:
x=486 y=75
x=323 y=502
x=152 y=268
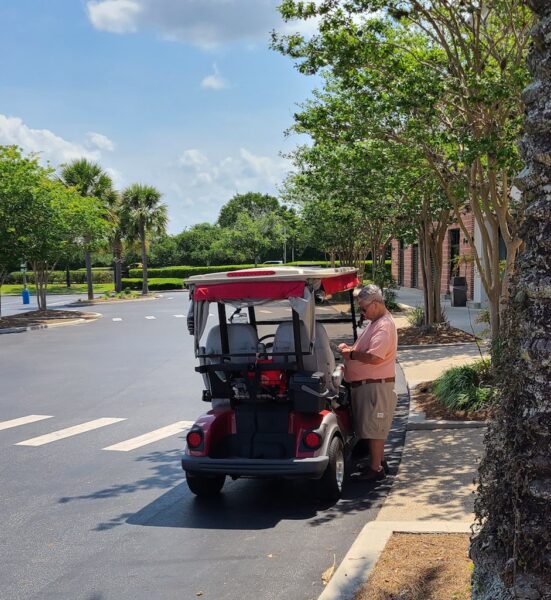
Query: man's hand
x=345 y=350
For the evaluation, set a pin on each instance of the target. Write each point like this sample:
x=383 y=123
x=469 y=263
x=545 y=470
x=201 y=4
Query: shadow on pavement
x=245 y=504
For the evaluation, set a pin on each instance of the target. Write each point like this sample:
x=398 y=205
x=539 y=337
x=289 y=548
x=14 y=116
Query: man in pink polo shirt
x=369 y=368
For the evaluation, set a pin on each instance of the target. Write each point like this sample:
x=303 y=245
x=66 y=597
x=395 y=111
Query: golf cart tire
x=205 y=487
x=331 y=482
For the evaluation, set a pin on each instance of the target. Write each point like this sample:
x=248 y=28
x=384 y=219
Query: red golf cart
x=279 y=408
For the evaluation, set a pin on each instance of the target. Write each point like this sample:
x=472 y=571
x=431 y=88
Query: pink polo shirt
x=378 y=338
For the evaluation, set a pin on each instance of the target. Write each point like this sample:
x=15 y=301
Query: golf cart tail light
x=312 y=440
x=194 y=439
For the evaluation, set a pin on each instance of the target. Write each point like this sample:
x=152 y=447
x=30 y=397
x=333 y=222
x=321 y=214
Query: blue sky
x=181 y=94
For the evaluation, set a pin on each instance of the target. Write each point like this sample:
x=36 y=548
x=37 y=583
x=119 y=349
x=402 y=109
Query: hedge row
x=186 y=271
x=154 y=284
x=60 y=277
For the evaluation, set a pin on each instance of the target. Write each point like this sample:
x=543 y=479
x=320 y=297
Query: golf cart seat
x=322 y=358
x=242 y=339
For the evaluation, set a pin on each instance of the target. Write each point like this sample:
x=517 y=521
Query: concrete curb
x=93 y=303
x=428 y=425
x=426 y=346
x=359 y=561
x=78 y=321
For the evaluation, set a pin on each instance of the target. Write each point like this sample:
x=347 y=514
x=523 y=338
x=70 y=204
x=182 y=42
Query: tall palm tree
x=113 y=216
x=512 y=550
x=89 y=179
x=143 y=214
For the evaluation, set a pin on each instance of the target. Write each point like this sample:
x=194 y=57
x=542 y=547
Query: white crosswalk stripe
x=69 y=431
x=150 y=317
x=152 y=436
x=179 y=316
x=22 y=421
x=116 y=319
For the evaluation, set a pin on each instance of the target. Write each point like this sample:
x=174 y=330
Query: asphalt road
x=80 y=521
x=12 y=305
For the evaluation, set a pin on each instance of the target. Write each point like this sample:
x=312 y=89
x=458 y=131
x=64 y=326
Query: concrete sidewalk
x=433 y=491
x=463 y=318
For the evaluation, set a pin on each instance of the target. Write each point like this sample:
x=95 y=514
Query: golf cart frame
x=279 y=405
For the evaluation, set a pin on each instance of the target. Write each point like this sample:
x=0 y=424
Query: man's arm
x=359 y=355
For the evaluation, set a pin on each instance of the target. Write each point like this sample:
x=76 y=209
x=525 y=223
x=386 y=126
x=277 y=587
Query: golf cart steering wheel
x=266 y=337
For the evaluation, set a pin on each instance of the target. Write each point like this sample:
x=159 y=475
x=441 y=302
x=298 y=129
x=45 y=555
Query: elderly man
x=369 y=368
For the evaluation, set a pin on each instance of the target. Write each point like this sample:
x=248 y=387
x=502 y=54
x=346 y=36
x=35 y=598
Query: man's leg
x=377 y=452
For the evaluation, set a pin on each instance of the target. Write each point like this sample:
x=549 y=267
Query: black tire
x=205 y=486
x=331 y=482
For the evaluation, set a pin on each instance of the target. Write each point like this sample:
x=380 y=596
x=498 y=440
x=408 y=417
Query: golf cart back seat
x=322 y=358
x=242 y=339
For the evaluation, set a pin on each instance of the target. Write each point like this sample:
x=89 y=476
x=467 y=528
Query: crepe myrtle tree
x=143 y=214
x=452 y=74
x=512 y=547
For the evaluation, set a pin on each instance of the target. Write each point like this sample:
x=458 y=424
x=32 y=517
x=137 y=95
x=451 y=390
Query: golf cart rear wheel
x=331 y=482
x=205 y=486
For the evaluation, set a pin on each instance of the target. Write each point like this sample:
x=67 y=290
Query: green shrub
x=154 y=284
x=466 y=387
x=78 y=276
x=416 y=317
x=187 y=271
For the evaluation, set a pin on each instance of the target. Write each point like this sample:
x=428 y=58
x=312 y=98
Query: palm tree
x=512 y=550
x=89 y=179
x=113 y=216
x=142 y=214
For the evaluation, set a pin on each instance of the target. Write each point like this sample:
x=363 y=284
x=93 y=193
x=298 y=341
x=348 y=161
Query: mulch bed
x=419 y=566
x=434 y=410
x=43 y=317
x=414 y=336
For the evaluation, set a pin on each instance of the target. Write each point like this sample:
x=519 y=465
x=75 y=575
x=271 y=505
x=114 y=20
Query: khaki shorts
x=373 y=406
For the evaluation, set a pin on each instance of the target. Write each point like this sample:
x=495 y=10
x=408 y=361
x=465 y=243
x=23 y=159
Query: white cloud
x=192 y=158
x=203 y=23
x=214 y=81
x=244 y=172
x=100 y=141
x=116 y=16
x=50 y=146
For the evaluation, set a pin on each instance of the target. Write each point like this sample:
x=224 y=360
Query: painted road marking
x=152 y=436
x=179 y=316
x=23 y=421
x=117 y=319
x=150 y=317
x=68 y=432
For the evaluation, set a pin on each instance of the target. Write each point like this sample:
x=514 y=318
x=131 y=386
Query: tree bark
x=145 y=286
x=512 y=548
x=117 y=263
x=88 y=261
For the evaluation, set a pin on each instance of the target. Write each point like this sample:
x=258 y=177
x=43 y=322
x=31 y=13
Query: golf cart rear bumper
x=253 y=467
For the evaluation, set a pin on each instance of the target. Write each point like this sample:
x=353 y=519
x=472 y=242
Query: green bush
x=154 y=284
x=78 y=276
x=185 y=271
x=416 y=317
x=466 y=387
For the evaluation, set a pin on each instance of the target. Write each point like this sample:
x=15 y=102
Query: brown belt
x=355 y=384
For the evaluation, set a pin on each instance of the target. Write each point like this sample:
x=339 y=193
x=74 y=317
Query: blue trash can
x=26 y=296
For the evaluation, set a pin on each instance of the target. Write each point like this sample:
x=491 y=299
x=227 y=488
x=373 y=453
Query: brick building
x=406 y=262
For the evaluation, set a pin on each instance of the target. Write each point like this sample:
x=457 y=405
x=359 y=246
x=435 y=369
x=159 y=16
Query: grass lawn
x=76 y=288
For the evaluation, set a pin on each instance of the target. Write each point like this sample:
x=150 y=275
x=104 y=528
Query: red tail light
x=312 y=440
x=194 y=439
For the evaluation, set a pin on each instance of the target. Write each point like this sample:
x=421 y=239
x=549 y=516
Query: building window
x=454 y=252
x=401 y=264
x=414 y=265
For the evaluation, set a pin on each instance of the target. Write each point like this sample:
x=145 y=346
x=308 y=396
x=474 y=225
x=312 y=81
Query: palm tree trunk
x=117 y=260
x=145 y=286
x=512 y=550
x=88 y=261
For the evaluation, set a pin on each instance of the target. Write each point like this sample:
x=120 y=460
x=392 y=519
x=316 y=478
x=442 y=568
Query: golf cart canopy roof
x=270 y=283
